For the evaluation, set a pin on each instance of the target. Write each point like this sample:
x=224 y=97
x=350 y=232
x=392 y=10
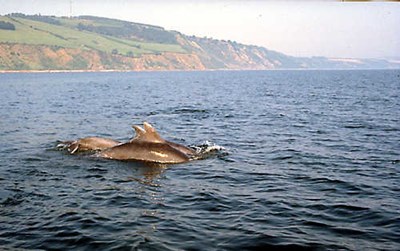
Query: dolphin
x=148 y=146
x=89 y=144
x=152 y=131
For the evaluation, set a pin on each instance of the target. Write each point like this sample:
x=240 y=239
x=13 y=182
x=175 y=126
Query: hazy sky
x=297 y=28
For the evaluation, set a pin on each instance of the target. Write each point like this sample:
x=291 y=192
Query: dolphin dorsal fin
x=151 y=133
x=140 y=133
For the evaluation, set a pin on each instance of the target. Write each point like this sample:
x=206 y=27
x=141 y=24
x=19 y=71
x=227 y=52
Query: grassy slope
x=34 y=32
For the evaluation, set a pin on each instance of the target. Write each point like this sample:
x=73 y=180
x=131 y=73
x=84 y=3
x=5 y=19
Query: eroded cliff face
x=216 y=54
x=201 y=54
x=40 y=57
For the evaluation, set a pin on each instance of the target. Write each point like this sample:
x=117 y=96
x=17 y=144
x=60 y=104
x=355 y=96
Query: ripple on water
x=311 y=161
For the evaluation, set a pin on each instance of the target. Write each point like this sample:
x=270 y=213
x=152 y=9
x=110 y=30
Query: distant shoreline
x=192 y=70
x=78 y=71
x=55 y=71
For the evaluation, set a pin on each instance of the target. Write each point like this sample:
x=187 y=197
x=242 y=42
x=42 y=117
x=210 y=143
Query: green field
x=67 y=35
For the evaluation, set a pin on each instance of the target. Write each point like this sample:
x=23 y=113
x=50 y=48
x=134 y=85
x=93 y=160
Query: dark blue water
x=312 y=161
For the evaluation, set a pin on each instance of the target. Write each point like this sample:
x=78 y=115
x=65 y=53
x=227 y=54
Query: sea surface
x=308 y=160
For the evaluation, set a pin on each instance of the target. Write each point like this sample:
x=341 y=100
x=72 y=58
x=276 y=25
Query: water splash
x=209 y=149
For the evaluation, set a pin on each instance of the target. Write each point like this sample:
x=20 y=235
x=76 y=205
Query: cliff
x=94 y=43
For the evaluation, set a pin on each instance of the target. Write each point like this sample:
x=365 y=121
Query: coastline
x=58 y=71
x=82 y=71
x=146 y=70
x=193 y=70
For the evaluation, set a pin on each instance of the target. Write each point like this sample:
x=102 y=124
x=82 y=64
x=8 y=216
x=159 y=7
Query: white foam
x=208 y=148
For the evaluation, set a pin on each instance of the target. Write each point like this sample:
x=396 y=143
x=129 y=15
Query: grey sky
x=305 y=28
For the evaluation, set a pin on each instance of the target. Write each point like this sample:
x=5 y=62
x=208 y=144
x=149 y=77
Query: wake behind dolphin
x=146 y=146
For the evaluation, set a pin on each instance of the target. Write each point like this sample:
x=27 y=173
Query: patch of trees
x=159 y=36
x=6 y=26
x=115 y=21
x=40 y=18
x=130 y=30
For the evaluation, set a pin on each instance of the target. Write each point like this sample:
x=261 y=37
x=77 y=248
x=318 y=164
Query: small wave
x=189 y=110
x=355 y=126
x=33 y=159
x=12 y=200
x=348 y=231
x=97 y=170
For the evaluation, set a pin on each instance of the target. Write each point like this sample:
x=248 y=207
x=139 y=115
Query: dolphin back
x=89 y=144
x=155 y=152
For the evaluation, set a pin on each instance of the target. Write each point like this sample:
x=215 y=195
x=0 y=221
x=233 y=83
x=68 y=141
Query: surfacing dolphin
x=148 y=146
x=88 y=144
